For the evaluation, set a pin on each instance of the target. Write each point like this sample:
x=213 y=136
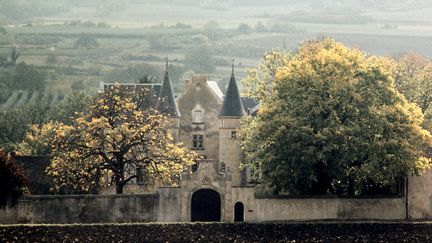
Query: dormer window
x=198 y=117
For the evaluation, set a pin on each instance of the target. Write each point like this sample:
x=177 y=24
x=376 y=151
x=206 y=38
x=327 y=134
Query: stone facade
x=217 y=190
x=206 y=122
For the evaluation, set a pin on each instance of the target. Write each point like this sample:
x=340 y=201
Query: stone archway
x=206 y=206
x=239 y=212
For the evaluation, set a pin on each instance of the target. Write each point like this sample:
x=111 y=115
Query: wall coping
x=85 y=196
x=330 y=197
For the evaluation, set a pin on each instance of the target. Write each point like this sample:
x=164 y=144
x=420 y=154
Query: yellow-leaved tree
x=113 y=143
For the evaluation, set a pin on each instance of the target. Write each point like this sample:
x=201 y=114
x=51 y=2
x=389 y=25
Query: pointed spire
x=166 y=64
x=232 y=105
x=166 y=102
x=233 y=60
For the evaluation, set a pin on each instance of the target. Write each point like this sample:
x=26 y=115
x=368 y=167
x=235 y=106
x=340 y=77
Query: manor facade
x=206 y=121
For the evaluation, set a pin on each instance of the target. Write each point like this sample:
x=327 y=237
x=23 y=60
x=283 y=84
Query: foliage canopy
x=334 y=123
x=114 y=143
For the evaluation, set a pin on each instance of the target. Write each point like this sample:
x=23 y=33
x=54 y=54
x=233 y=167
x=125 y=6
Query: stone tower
x=230 y=154
x=167 y=105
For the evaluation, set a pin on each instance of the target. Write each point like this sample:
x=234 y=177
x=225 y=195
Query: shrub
x=13 y=181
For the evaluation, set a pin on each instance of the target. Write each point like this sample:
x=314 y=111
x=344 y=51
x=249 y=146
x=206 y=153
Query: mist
x=71 y=45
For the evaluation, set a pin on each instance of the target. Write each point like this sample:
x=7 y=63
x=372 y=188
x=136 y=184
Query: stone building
x=206 y=121
x=218 y=190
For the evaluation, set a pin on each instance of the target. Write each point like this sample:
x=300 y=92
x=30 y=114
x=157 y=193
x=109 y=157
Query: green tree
x=21 y=127
x=114 y=143
x=5 y=92
x=86 y=41
x=147 y=79
x=13 y=127
x=39 y=132
x=15 y=122
x=334 y=123
x=13 y=182
x=14 y=55
x=413 y=77
x=132 y=73
x=258 y=81
x=28 y=77
x=51 y=60
x=260 y=27
x=244 y=28
x=211 y=30
x=200 y=59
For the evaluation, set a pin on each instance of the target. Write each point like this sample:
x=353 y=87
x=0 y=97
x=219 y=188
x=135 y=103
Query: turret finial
x=166 y=63
x=233 y=60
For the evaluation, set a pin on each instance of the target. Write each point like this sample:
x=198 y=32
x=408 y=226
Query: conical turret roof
x=232 y=104
x=166 y=102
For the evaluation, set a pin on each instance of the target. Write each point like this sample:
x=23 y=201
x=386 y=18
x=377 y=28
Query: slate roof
x=167 y=103
x=214 y=87
x=248 y=103
x=232 y=104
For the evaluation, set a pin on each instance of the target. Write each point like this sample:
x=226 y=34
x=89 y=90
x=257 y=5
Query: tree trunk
x=119 y=188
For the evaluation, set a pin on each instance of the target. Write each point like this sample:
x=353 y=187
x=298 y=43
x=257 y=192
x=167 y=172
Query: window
x=198 y=142
x=233 y=134
x=222 y=167
x=198 y=117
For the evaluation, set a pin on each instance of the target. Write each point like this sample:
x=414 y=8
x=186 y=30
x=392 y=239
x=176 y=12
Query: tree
x=413 y=77
x=258 y=81
x=21 y=127
x=39 y=132
x=334 y=123
x=51 y=60
x=260 y=27
x=3 y=30
x=13 y=127
x=244 y=28
x=132 y=73
x=15 y=122
x=13 y=182
x=114 y=143
x=211 y=29
x=14 y=55
x=86 y=41
x=147 y=79
x=29 y=77
x=200 y=59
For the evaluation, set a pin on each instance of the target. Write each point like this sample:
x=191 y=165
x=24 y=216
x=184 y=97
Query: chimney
x=186 y=83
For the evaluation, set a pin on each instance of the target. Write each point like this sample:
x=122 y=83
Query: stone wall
x=173 y=205
x=420 y=196
x=324 y=209
x=62 y=209
x=281 y=209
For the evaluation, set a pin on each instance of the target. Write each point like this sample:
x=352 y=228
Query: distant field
x=221 y=232
x=389 y=30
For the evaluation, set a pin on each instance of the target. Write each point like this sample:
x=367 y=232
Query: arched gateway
x=206 y=206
